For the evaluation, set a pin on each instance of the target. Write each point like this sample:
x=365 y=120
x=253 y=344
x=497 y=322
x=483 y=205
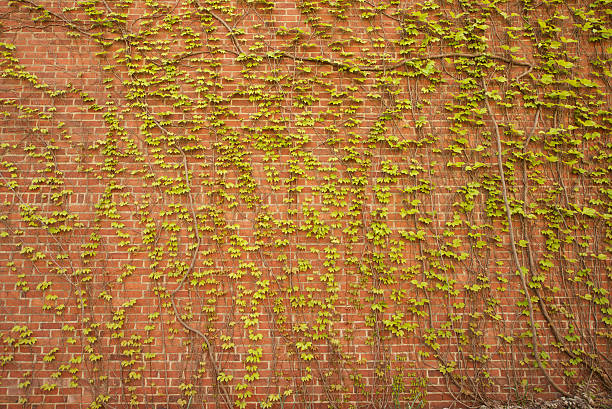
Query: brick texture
x=299 y=204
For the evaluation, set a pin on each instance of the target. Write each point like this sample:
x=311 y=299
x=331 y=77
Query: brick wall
x=253 y=204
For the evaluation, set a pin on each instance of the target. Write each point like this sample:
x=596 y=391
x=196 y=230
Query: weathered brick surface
x=316 y=194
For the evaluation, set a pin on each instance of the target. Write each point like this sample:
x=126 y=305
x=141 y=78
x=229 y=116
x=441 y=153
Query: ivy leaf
x=547 y=79
x=429 y=69
x=564 y=64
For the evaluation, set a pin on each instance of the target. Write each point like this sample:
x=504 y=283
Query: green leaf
x=589 y=212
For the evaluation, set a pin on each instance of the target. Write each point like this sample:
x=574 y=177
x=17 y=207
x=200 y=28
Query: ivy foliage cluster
x=324 y=202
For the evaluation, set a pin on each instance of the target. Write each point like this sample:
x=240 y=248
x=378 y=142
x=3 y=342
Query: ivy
x=326 y=208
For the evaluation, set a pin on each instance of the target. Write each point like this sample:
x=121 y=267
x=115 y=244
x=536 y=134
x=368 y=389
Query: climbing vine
x=341 y=202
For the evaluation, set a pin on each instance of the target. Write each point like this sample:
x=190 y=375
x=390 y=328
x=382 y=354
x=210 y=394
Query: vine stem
x=71 y=24
x=555 y=331
x=515 y=258
x=194 y=257
x=230 y=31
x=340 y=64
